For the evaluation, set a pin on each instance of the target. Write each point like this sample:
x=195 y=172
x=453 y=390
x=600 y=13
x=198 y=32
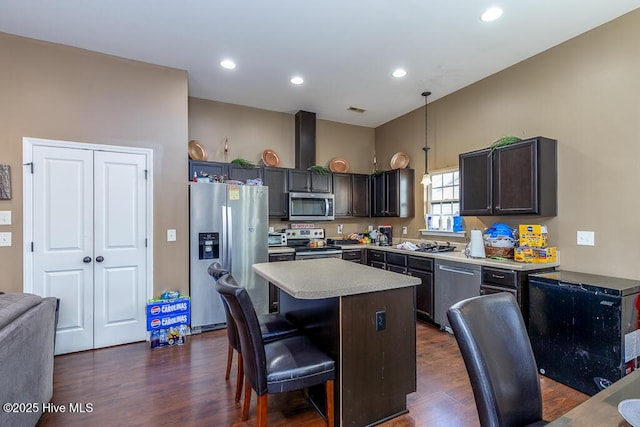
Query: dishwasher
x=453 y=282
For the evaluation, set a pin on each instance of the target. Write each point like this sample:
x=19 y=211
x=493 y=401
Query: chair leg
x=240 y=378
x=229 y=361
x=247 y=401
x=329 y=397
x=262 y=410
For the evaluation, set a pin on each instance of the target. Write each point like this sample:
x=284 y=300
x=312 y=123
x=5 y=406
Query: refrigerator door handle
x=229 y=220
x=224 y=237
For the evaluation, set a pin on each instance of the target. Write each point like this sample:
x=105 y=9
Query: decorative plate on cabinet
x=399 y=160
x=197 y=151
x=339 y=165
x=270 y=158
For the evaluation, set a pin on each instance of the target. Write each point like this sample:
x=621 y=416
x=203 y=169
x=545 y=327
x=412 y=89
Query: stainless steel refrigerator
x=228 y=224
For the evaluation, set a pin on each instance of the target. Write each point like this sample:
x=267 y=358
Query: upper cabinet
x=277 y=181
x=301 y=181
x=241 y=173
x=392 y=194
x=199 y=168
x=515 y=179
x=351 y=192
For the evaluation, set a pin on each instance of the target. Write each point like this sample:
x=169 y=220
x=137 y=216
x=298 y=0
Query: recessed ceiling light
x=491 y=14
x=228 y=64
x=297 y=80
x=399 y=73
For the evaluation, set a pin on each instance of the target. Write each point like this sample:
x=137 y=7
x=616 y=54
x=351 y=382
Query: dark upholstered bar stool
x=496 y=350
x=279 y=366
x=272 y=327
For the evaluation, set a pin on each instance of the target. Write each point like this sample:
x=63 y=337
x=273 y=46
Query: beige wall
x=57 y=92
x=585 y=94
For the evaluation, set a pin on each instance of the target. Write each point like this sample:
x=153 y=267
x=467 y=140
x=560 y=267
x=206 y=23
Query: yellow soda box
x=545 y=255
x=533 y=235
x=523 y=254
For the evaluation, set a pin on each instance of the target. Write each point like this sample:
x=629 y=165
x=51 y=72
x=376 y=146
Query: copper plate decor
x=339 y=165
x=270 y=158
x=197 y=151
x=399 y=160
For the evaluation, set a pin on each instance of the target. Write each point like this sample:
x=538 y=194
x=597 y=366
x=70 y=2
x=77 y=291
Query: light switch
x=171 y=235
x=5 y=238
x=5 y=217
x=586 y=238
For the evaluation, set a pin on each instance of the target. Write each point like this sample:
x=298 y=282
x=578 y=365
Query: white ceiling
x=344 y=49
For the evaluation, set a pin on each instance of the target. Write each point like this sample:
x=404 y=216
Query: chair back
x=216 y=271
x=246 y=320
x=496 y=350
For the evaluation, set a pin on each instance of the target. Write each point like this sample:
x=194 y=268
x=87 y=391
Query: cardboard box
x=523 y=254
x=533 y=235
x=545 y=255
x=163 y=314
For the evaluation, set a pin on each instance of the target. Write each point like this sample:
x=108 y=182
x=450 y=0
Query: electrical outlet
x=5 y=217
x=370 y=228
x=340 y=228
x=586 y=238
x=381 y=320
x=404 y=230
x=5 y=239
x=171 y=235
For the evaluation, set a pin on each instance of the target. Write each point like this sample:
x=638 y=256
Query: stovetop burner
x=435 y=247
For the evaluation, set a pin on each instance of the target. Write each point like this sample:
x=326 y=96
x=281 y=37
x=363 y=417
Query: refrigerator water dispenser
x=208 y=245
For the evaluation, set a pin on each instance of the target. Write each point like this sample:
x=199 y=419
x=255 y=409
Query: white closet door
x=63 y=240
x=119 y=248
x=89 y=234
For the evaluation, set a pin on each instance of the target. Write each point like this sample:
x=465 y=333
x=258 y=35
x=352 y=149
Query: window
x=442 y=198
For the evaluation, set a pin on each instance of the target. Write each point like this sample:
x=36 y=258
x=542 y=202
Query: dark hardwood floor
x=133 y=385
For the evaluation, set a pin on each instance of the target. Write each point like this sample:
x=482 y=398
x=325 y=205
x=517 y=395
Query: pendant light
x=426 y=179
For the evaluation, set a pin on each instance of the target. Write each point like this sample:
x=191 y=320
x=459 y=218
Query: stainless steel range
x=310 y=243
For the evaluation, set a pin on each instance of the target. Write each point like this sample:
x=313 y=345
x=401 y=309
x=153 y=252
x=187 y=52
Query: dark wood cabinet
x=393 y=194
x=301 y=180
x=274 y=297
x=351 y=193
x=475 y=183
x=239 y=173
x=277 y=181
x=397 y=263
x=516 y=179
x=361 y=195
x=422 y=268
x=353 y=255
x=199 y=168
x=343 y=195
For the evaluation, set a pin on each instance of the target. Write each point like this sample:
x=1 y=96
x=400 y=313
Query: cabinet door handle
x=99 y=259
x=497 y=276
x=86 y=259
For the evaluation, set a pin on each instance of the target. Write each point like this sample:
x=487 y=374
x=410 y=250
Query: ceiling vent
x=356 y=109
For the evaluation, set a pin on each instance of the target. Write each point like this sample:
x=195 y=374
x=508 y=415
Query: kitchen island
x=364 y=318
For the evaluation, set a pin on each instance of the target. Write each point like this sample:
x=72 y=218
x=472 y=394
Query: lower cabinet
x=353 y=255
x=422 y=268
x=274 y=301
x=397 y=263
x=416 y=266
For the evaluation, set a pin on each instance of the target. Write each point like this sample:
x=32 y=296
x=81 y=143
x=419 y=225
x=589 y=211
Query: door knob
x=99 y=259
x=86 y=259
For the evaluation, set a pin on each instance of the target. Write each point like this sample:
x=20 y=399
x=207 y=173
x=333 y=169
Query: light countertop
x=457 y=256
x=330 y=277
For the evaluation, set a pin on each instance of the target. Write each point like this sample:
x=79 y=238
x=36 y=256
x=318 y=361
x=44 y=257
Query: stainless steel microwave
x=311 y=206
